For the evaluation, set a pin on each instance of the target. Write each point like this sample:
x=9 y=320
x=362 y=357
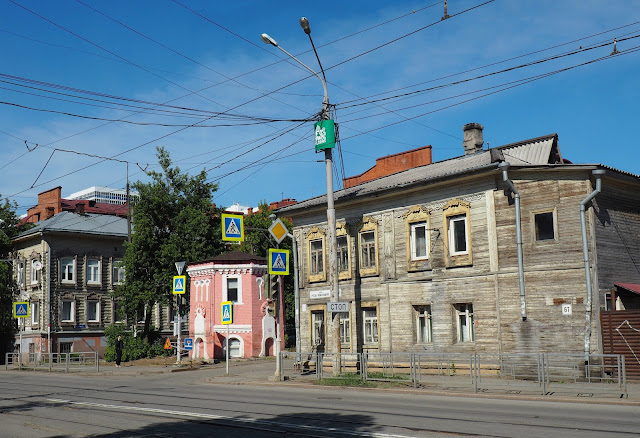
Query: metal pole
x=227 y=350
x=296 y=290
x=20 y=348
x=179 y=330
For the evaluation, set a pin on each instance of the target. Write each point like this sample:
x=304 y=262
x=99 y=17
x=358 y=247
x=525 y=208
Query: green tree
x=258 y=240
x=9 y=227
x=174 y=220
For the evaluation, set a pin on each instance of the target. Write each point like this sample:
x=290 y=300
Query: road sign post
x=227 y=319
x=179 y=288
x=20 y=311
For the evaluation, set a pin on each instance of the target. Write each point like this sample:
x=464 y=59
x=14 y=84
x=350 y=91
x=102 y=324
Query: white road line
x=248 y=420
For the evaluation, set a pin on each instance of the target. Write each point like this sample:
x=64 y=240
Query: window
x=464 y=317
x=93 y=271
x=118 y=312
x=458 y=234
x=316 y=257
x=233 y=291
x=20 y=274
x=367 y=239
x=118 y=272
x=315 y=239
x=93 y=311
x=370 y=321
x=343 y=253
x=345 y=328
x=65 y=347
x=34 y=313
x=67 y=269
x=67 y=310
x=317 y=328
x=419 y=241
x=368 y=247
x=544 y=226
x=35 y=271
x=423 y=324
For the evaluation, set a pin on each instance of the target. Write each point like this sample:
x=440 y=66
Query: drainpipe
x=597 y=173
x=504 y=166
x=48 y=297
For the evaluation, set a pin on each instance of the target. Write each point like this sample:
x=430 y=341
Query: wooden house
x=429 y=260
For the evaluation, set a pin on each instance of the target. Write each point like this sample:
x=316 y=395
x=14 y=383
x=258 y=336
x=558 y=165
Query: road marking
x=248 y=420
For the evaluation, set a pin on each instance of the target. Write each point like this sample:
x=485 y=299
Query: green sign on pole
x=325 y=135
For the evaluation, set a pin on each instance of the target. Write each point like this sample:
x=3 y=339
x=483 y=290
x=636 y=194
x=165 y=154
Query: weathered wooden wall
x=554 y=272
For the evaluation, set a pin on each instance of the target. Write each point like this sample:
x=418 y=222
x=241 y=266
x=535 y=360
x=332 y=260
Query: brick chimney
x=80 y=208
x=472 y=140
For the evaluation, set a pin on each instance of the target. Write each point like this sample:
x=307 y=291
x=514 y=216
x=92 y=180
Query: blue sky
x=204 y=58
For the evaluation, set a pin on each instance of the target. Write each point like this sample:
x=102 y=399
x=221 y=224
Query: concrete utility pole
x=328 y=158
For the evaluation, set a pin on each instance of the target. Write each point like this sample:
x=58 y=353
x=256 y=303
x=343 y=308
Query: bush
x=134 y=347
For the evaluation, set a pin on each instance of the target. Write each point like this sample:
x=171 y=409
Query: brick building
x=235 y=277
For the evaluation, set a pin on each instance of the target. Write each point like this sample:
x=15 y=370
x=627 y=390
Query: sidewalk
x=262 y=372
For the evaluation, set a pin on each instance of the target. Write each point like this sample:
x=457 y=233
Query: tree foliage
x=9 y=227
x=173 y=220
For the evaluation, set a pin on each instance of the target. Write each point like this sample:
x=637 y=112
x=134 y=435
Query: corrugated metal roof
x=68 y=222
x=536 y=151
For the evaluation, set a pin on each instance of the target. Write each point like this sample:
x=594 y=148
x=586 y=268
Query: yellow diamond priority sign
x=278 y=230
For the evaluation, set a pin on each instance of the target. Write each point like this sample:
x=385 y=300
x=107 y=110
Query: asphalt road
x=39 y=404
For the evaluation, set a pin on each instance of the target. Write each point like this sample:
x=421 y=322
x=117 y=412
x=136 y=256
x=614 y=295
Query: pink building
x=235 y=277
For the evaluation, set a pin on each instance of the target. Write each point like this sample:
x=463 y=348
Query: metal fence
x=54 y=361
x=538 y=373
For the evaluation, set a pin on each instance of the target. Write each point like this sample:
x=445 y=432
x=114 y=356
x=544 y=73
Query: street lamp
x=328 y=158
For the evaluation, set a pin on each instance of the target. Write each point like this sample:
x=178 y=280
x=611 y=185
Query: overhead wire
x=273 y=91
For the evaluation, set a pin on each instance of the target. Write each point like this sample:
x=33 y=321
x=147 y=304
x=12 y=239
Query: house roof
x=235 y=257
x=89 y=223
x=631 y=287
x=536 y=151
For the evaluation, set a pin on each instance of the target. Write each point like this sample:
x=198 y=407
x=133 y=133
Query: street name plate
x=338 y=306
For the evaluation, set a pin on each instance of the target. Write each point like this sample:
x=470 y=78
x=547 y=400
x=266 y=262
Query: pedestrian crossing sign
x=278 y=261
x=227 y=312
x=21 y=309
x=179 y=284
x=233 y=227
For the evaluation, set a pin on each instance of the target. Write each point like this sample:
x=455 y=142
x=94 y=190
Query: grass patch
x=349 y=379
x=380 y=375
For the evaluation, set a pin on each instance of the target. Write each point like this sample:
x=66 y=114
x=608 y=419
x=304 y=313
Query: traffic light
x=273 y=295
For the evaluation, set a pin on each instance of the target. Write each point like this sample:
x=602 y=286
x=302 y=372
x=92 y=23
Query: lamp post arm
x=325 y=100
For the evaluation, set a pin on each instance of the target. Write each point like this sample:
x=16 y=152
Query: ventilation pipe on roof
x=597 y=173
x=504 y=166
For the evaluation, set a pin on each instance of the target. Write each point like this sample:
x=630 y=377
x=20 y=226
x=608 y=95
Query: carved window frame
x=88 y=282
x=455 y=208
x=74 y=270
x=343 y=231
x=414 y=216
x=93 y=298
x=71 y=299
x=315 y=234
x=369 y=225
x=318 y=309
x=369 y=306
